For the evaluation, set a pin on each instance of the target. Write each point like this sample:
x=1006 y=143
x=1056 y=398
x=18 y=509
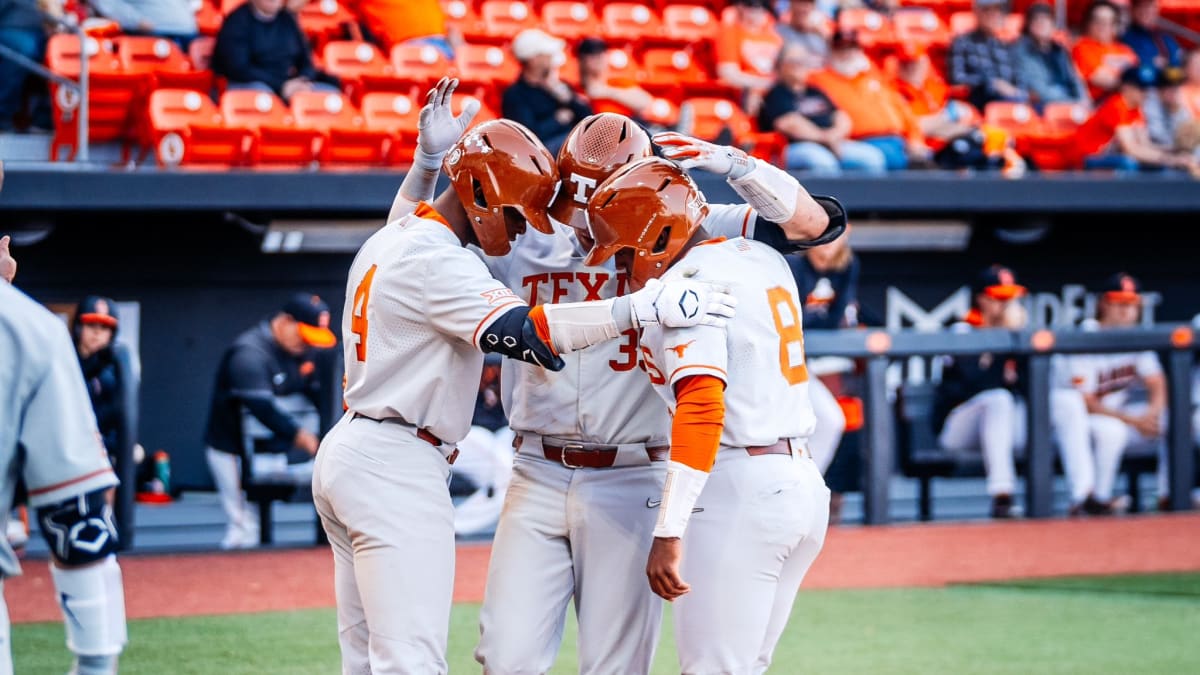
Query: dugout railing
x=877 y=349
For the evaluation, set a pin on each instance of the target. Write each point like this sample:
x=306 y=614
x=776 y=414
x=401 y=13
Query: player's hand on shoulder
x=437 y=127
x=693 y=153
x=681 y=303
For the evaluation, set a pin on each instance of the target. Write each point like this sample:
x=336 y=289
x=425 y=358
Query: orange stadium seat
x=500 y=20
x=571 y=21
x=964 y=22
x=1064 y=117
x=920 y=26
x=396 y=115
x=111 y=100
x=208 y=18
x=325 y=20
x=943 y=8
x=485 y=70
x=661 y=112
x=187 y=129
x=164 y=60
x=623 y=70
x=361 y=67
x=461 y=15
x=1019 y=119
x=714 y=115
x=347 y=138
x=628 y=23
x=669 y=72
x=419 y=65
x=690 y=24
x=277 y=140
x=875 y=32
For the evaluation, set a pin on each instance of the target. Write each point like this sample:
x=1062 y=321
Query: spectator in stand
x=1118 y=421
x=1165 y=110
x=169 y=19
x=1115 y=137
x=928 y=97
x=878 y=114
x=549 y=107
x=977 y=405
x=1154 y=47
x=747 y=50
x=21 y=29
x=261 y=47
x=808 y=27
x=1191 y=86
x=982 y=62
x=818 y=133
x=1098 y=55
x=1044 y=63
x=392 y=22
x=624 y=96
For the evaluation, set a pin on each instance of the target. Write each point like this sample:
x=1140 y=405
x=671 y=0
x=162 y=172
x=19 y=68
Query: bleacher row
x=146 y=93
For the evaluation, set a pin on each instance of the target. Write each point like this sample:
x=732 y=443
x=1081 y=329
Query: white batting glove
x=437 y=127
x=681 y=303
x=693 y=153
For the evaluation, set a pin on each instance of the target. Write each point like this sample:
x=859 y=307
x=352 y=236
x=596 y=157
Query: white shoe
x=16 y=534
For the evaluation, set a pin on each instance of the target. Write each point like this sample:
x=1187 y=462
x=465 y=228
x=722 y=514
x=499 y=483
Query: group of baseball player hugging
x=654 y=377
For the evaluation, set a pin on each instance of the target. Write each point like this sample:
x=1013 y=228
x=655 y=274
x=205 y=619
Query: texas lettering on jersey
x=567 y=286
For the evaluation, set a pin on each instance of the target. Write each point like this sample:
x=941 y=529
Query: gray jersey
x=45 y=411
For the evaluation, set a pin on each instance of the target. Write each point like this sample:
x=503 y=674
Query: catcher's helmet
x=596 y=147
x=651 y=206
x=497 y=165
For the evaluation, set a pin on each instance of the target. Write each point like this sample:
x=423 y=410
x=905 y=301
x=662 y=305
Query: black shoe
x=1002 y=506
x=1092 y=507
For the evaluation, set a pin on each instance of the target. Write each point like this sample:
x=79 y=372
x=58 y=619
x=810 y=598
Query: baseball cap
x=1142 y=77
x=1122 y=288
x=533 y=42
x=97 y=310
x=997 y=282
x=312 y=314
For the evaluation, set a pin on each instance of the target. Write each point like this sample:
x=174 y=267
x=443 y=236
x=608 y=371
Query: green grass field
x=1128 y=624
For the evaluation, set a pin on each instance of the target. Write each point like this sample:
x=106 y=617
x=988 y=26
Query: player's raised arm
x=789 y=218
x=437 y=130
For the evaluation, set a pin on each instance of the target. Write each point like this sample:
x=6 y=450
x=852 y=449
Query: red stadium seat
x=485 y=70
x=396 y=115
x=668 y=72
x=1019 y=119
x=943 y=8
x=500 y=20
x=571 y=21
x=622 y=68
x=163 y=59
x=875 y=32
x=362 y=67
x=1064 y=117
x=628 y=23
x=418 y=65
x=111 y=100
x=347 y=138
x=277 y=140
x=187 y=129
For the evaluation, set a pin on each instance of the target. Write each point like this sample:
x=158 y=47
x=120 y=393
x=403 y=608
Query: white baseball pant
x=831 y=424
x=759 y=524
x=1112 y=438
x=384 y=503
x=241 y=517
x=572 y=533
x=994 y=421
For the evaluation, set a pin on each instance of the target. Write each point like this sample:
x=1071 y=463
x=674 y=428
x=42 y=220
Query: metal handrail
x=82 y=87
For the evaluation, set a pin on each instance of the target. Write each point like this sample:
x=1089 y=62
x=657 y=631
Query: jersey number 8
x=791 y=334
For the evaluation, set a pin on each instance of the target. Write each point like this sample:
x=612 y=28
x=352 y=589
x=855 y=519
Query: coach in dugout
x=266 y=403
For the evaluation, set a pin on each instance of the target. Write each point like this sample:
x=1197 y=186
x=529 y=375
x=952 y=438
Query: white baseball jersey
x=600 y=396
x=1110 y=376
x=760 y=356
x=416 y=305
x=44 y=409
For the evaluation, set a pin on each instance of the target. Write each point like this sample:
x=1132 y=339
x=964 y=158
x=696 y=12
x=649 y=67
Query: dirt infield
x=875 y=557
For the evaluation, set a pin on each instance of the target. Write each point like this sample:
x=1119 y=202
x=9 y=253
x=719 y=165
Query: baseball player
x=1115 y=420
x=592 y=439
x=49 y=438
x=420 y=312
x=739 y=471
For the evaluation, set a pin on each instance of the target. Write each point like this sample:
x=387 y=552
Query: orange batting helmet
x=651 y=206
x=596 y=147
x=499 y=165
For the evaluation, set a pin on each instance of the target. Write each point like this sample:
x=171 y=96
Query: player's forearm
x=779 y=198
x=695 y=440
x=265 y=411
x=418 y=184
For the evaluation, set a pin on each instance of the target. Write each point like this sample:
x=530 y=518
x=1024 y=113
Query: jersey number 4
x=791 y=334
x=358 y=313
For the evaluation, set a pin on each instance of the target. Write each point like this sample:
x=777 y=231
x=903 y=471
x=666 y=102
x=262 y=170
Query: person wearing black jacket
x=94 y=329
x=978 y=404
x=266 y=390
x=261 y=46
x=546 y=105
